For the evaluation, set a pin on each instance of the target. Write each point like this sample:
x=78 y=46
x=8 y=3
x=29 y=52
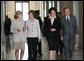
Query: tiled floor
x=77 y=53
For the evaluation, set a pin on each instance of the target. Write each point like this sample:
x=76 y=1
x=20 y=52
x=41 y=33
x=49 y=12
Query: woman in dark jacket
x=51 y=32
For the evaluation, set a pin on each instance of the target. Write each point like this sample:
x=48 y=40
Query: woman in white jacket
x=33 y=35
x=17 y=28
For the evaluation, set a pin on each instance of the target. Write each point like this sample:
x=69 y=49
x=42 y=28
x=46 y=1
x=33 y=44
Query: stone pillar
x=32 y=5
x=11 y=9
x=75 y=12
x=58 y=6
x=3 y=13
x=41 y=10
x=47 y=8
x=3 y=40
x=6 y=8
x=81 y=21
x=55 y=4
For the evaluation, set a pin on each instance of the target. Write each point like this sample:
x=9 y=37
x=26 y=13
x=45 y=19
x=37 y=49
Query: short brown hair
x=17 y=13
x=66 y=8
x=32 y=11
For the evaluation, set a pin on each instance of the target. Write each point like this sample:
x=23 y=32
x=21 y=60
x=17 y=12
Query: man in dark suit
x=69 y=32
x=41 y=27
x=7 y=25
x=60 y=43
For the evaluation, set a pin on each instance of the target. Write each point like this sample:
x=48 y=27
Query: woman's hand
x=44 y=38
x=18 y=30
x=39 y=40
x=53 y=29
x=26 y=41
x=61 y=38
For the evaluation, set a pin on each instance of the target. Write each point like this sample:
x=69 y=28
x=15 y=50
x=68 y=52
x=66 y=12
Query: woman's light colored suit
x=17 y=36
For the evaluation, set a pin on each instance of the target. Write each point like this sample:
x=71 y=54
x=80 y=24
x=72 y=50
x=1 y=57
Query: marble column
x=3 y=40
x=75 y=12
x=80 y=7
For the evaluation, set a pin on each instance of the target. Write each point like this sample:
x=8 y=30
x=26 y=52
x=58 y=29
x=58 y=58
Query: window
x=49 y=4
x=58 y=6
x=23 y=6
x=52 y=3
x=18 y=6
x=45 y=9
x=25 y=11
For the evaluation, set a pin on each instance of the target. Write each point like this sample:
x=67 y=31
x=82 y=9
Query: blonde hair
x=17 y=13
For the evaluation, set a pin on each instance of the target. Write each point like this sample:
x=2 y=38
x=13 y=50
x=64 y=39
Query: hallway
x=10 y=52
x=10 y=7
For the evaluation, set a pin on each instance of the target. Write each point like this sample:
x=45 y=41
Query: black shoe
x=40 y=54
x=56 y=51
x=61 y=52
x=30 y=59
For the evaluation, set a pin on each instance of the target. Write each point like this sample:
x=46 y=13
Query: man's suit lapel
x=65 y=19
x=70 y=19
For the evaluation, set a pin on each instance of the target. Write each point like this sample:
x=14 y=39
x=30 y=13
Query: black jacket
x=47 y=26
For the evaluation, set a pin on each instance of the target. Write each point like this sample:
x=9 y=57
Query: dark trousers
x=39 y=47
x=32 y=48
x=60 y=46
x=68 y=47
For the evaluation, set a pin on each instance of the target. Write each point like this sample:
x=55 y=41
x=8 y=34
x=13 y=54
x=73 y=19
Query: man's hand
x=24 y=28
x=76 y=36
x=61 y=38
x=44 y=38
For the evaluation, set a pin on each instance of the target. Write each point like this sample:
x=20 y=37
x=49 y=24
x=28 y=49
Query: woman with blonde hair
x=17 y=28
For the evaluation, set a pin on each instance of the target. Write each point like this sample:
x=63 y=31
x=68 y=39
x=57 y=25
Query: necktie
x=68 y=22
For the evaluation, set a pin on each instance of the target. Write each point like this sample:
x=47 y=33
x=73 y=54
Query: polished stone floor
x=10 y=52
